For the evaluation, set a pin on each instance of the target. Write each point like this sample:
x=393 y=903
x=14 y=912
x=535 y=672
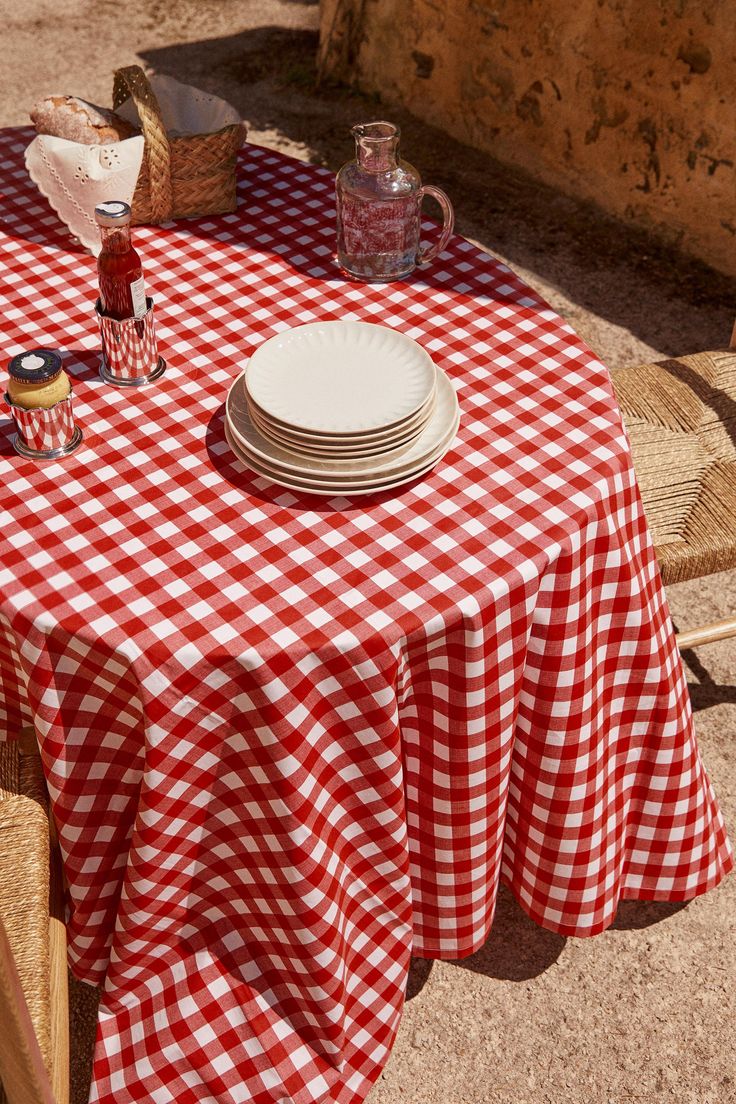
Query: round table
x=291 y=740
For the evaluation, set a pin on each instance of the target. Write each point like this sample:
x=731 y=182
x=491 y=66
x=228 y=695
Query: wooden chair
x=681 y=419
x=34 y=1012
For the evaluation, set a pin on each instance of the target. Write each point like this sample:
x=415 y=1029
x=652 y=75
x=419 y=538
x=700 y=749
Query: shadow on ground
x=269 y=74
x=706 y=692
x=517 y=949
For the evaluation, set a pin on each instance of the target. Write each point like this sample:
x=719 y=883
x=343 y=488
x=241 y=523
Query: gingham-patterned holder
x=47 y=432
x=130 y=354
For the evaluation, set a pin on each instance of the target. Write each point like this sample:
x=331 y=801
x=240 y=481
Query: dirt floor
x=645 y=1013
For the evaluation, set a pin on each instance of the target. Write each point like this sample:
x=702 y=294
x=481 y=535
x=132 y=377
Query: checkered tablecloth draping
x=289 y=740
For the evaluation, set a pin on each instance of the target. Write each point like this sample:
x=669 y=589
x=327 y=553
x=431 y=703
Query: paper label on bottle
x=138 y=295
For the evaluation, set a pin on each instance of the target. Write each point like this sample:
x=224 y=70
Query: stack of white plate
x=341 y=408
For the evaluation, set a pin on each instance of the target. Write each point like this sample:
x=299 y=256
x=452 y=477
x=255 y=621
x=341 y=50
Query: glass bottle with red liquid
x=122 y=289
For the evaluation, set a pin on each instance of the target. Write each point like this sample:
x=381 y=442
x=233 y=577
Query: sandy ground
x=646 y=1012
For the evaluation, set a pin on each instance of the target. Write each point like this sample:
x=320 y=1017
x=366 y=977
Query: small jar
x=37 y=380
x=39 y=395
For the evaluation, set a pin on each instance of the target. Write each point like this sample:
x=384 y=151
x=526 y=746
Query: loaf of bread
x=79 y=121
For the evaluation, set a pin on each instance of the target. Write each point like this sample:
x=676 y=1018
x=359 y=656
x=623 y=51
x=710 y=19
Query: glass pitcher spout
x=376 y=145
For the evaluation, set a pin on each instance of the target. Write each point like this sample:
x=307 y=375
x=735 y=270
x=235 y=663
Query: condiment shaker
x=125 y=313
x=39 y=395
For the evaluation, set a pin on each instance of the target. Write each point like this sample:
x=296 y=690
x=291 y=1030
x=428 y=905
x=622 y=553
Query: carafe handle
x=426 y=256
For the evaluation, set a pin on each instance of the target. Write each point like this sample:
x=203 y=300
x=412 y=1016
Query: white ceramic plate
x=423 y=447
x=333 y=442
x=347 y=482
x=340 y=377
x=331 y=492
x=337 y=459
x=340 y=453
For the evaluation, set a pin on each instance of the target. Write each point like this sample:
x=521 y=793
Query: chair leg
x=23 y=1072
x=706 y=634
x=59 y=981
x=58 y=976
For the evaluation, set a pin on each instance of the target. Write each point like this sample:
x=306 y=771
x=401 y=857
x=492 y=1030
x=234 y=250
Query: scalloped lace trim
x=75 y=178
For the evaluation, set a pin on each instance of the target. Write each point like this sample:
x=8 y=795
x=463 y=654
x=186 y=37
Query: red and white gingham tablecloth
x=290 y=740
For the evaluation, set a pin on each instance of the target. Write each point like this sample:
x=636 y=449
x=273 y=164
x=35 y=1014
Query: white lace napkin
x=75 y=178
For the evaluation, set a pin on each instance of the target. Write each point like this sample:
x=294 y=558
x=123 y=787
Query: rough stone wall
x=630 y=104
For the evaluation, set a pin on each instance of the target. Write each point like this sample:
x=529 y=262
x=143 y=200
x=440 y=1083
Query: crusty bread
x=79 y=121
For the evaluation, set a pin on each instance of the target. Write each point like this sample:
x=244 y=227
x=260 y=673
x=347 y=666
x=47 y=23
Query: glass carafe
x=379 y=199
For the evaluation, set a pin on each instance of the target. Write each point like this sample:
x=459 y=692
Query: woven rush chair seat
x=33 y=995
x=680 y=415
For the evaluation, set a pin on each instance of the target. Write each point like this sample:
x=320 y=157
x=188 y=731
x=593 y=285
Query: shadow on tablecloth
x=239 y=475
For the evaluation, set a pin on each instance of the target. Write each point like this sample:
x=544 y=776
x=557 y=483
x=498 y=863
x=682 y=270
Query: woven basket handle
x=132 y=82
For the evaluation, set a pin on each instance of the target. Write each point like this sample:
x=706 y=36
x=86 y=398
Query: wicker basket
x=179 y=177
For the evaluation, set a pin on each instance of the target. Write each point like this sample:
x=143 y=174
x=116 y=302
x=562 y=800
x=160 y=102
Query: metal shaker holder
x=45 y=433
x=130 y=355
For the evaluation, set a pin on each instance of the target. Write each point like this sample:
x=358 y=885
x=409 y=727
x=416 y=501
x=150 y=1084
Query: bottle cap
x=113 y=212
x=35 y=366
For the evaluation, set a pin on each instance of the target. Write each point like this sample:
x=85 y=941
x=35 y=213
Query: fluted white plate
x=334 y=443
x=424 y=448
x=302 y=446
x=331 y=490
x=353 y=482
x=340 y=377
